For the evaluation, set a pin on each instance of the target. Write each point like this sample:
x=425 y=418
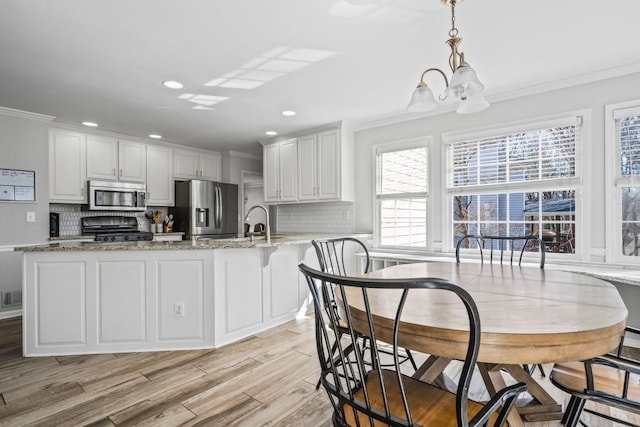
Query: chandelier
x=464 y=85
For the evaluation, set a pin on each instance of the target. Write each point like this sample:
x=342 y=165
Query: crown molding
x=4 y=111
x=244 y=155
x=317 y=129
x=508 y=95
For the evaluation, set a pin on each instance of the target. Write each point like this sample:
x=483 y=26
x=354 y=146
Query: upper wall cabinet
x=111 y=159
x=319 y=172
x=160 y=188
x=280 y=171
x=323 y=167
x=67 y=173
x=195 y=165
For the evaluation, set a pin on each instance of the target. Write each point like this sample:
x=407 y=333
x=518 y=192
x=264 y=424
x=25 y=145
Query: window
x=624 y=229
x=402 y=195
x=516 y=182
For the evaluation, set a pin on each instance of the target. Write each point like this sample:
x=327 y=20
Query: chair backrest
x=336 y=255
x=511 y=244
x=344 y=372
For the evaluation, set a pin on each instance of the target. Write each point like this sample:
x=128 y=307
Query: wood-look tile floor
x=266 y=379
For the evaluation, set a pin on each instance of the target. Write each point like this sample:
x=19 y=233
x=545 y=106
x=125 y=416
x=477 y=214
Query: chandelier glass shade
x=463 y=86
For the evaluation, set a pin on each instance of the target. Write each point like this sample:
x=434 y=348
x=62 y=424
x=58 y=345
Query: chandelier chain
x=453 y=31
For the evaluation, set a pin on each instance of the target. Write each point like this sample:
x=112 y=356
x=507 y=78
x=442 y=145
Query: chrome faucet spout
x=267 y=226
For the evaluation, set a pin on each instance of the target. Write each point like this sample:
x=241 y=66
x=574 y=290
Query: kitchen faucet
x=268 y=228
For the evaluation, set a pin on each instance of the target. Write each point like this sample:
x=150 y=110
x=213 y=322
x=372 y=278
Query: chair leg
x=573 y=412
x=413 y=362
x=531 y=369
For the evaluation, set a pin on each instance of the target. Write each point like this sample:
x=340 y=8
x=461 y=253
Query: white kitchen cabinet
x=280 y=161
x=323 y=167
x=83 y=302
x=196 y=165
x=110 y=159
x=319 y=166
x=160 y=188
x=67 y=173
x=132 y=161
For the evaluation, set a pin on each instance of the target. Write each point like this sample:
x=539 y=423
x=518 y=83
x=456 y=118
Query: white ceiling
x=356 y=60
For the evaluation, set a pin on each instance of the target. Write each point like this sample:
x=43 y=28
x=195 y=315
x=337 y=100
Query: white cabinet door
x=271 y=167
x=307 y=184
x=210 y=167
x=186 y=164
x=328 y=165
x=67 y=174
x=160 y=188
x=132 y=161
x=102 y=158
x=194 y=165
x=289 y=170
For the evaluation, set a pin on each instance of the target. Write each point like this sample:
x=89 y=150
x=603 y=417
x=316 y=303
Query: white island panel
x=61 y=305
x=283 y=280
x=180 y=300
x=239 y=296
x=121 y=301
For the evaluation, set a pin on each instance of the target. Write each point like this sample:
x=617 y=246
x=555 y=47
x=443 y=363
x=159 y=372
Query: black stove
x=114 y=229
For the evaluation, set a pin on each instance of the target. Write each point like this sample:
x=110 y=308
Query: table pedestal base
x=540 y=407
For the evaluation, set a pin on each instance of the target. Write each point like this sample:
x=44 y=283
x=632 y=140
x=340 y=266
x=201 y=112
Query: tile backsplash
x=70 y=217
x=330 y=217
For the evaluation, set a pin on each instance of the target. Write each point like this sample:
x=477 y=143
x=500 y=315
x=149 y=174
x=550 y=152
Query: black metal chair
x=369 y=394
x=613 y=380
x=511 y=244
x=334 y=256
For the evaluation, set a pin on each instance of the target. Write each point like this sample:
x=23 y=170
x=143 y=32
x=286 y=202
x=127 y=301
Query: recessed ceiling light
x=271 y=133
x=288 y=113
x=172 y=84
x=90 y=124
x=155 y=136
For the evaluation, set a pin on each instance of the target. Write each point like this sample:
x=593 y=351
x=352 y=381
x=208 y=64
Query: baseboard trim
x=11 y=313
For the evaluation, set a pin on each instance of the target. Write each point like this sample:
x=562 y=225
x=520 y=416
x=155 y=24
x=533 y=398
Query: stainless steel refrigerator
x=205 y=209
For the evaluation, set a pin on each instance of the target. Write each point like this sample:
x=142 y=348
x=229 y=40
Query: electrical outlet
x=31 y=217
x=178 y=309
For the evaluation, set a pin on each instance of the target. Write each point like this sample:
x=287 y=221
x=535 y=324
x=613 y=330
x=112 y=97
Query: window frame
x=401 y=145
x=615 y=182
x=578 y=183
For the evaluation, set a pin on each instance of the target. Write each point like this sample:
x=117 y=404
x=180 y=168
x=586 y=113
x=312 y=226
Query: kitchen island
x=90 y=297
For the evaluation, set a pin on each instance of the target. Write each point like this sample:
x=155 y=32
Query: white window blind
x=532 y=155
x=401 y=197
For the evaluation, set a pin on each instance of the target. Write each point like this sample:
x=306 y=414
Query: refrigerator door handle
x=219 y=207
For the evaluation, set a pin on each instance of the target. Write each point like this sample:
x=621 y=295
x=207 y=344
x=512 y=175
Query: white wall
x=234 y=162
x=24 y=144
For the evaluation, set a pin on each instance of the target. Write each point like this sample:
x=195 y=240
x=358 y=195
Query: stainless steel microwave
x=117 y=196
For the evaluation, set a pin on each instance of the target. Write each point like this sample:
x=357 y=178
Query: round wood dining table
x=528 y=315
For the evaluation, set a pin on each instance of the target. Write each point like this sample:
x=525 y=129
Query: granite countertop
x=278 y=239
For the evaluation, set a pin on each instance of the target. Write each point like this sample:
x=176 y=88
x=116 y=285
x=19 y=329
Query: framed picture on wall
x=17 y=185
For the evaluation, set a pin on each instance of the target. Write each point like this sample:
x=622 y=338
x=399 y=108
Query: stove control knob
x=113 y=238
